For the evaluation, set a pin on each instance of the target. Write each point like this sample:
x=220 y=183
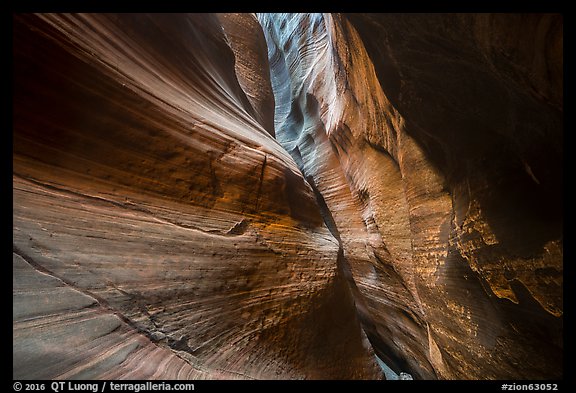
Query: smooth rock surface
x=159 y=229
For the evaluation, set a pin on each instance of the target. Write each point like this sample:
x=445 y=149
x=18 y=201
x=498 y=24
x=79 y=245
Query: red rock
x=185 y=239
x=185 y=208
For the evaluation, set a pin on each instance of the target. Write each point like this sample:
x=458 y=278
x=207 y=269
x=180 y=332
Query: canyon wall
x=285 y=196
x=434 y=144
x=160 y=231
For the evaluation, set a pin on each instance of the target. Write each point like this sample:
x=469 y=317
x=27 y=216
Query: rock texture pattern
x=434 y=145
x=285 y=196
x=160 y=231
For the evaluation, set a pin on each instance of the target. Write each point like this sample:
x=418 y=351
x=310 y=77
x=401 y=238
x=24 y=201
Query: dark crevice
x=238 y=229
x=260 y=182
x=325 y=211
x=294 y=113
x=393 y=362
x=385 y=355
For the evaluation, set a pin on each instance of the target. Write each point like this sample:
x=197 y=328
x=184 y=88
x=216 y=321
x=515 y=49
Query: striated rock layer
x=160 y=231
x=434 y=146
x=287 y=195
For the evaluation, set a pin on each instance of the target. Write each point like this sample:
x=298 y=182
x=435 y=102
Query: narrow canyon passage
x=287 y=196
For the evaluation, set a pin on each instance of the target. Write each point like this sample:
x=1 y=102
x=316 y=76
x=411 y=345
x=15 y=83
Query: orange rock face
x=436 y=144
x=159 y=229
x=285 y=196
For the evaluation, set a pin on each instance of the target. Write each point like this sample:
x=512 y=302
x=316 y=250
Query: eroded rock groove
x=287 y=196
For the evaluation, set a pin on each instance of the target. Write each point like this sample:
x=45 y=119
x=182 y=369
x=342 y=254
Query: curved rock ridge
x=434 y=144
x=159 y=229
x=247 y=41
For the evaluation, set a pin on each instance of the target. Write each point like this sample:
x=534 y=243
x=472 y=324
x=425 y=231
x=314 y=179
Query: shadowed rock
x=286 y=196
x=435 y=141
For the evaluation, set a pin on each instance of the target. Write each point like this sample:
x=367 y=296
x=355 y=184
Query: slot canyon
x=287 y=196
